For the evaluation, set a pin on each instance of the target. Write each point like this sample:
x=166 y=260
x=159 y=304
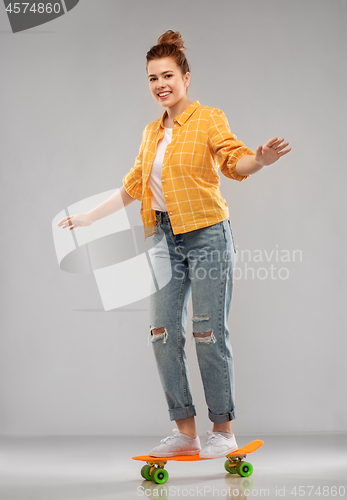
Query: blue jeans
x=201 y=263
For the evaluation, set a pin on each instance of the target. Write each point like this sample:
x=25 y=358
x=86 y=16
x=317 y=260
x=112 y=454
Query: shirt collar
x=183 y=117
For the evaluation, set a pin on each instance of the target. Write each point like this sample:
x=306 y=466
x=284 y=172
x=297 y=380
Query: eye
x=154 y=78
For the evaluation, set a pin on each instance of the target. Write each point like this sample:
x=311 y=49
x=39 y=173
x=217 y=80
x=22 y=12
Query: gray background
x=74 y=102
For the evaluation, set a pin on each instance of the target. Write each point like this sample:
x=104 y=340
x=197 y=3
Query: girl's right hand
x=73 y=221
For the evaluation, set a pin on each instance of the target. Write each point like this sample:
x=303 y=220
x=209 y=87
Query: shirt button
x=170 y=213
x=166 y=196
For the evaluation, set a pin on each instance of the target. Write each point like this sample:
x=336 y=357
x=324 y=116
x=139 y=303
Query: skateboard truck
x=236 y=465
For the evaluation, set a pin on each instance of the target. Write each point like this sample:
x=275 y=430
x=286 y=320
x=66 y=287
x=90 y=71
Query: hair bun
x=172 y=38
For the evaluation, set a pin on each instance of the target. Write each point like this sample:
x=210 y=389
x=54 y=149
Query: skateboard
x=154 y=469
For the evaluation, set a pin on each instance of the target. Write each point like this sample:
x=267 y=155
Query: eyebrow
x=163 y=73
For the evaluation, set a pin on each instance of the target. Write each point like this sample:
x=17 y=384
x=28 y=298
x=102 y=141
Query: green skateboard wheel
x=145 y=472
x=227 y=467
x=159 y=475
x=244 y=469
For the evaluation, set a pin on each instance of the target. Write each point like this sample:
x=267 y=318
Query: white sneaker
x=178 y=444
x=218 y=444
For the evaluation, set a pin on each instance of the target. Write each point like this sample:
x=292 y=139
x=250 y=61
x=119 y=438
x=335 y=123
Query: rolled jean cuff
x=179 y=413
x=220 y=419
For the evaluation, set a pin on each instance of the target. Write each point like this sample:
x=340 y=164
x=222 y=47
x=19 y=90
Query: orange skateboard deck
x=235 y=464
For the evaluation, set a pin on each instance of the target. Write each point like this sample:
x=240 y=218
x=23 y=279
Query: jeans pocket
x=232 y=236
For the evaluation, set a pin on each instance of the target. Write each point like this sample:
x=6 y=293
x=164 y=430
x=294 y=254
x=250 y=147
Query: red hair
x=170 y=44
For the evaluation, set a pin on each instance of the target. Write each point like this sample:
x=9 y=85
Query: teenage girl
x=175 y=177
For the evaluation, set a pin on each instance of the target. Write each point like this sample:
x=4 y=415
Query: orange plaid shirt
x=201 y=143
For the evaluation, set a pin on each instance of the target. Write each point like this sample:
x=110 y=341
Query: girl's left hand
x=271 y=152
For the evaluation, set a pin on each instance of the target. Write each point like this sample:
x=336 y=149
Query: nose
x=161 y=84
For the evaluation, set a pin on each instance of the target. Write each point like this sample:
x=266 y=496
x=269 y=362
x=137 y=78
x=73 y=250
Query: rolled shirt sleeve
x=225 y=145
x=132 y=181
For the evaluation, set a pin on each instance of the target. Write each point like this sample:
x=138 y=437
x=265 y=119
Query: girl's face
x=166 y=82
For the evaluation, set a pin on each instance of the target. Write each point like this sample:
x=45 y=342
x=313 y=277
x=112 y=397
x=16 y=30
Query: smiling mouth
x=162 y=95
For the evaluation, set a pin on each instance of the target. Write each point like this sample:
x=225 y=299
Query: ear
x=186 y=79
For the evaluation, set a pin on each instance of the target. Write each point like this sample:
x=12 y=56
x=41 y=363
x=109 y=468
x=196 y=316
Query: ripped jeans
x=199 y=263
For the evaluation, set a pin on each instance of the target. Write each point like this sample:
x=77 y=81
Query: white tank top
x=154 y=182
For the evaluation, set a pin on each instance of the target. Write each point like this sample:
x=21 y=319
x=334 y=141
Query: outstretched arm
x=264 y=155
x=115 y=202
x=118 y=200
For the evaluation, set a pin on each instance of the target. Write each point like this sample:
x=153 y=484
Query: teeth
x=164 y=93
